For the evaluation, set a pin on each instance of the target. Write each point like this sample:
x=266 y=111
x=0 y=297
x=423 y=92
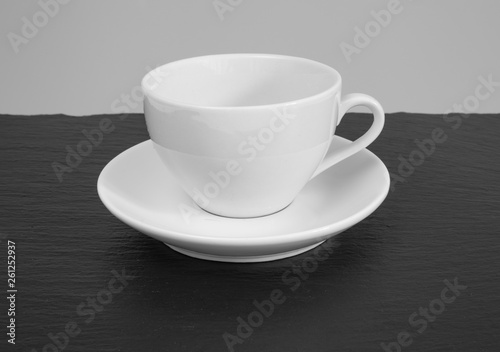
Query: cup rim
x=150 y=93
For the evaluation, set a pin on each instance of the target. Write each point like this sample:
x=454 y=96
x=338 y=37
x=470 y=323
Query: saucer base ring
x=243 y=259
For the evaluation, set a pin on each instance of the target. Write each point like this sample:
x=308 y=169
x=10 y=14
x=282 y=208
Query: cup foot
x=243 y=259
x=243 y=217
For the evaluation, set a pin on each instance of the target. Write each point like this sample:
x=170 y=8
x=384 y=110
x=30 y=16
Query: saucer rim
x=166 y=235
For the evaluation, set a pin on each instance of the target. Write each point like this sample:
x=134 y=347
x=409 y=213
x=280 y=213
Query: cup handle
x=347 y=102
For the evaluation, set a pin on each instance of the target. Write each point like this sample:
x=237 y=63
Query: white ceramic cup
x=244 y=133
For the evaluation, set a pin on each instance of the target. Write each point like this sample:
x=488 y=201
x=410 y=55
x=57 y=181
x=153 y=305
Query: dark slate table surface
x=420 y=274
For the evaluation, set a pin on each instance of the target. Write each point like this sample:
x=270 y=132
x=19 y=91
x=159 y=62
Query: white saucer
x=138 y=189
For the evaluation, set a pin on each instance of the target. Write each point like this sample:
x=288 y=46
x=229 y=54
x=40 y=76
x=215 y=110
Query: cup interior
x=239 y=80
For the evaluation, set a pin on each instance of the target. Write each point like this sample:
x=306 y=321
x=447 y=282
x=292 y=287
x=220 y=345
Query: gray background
x=92 y=53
